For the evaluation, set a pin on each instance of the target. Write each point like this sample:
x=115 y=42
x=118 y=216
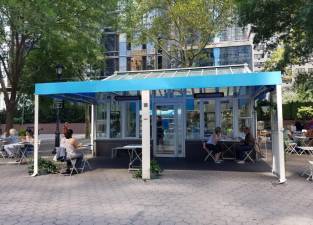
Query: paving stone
x=182 y=197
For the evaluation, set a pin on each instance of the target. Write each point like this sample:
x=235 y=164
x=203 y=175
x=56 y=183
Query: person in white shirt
x=214 y=144
x=11 y=148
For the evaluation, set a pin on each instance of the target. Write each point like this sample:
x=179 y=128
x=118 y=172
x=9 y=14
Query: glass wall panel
x=101 y=120
x=227 y=118
x=244 y=115
x=115 y=116
x=130 y=119
x=209 y=117
x=193 y=119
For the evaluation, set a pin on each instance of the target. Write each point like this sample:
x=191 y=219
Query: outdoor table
x=134 y=154
x=306 y=149
x=301 y=139
x=229 y=144
x=308 y=169
x=21 y=149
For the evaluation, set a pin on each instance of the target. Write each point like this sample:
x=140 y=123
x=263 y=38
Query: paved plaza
x=112 y=196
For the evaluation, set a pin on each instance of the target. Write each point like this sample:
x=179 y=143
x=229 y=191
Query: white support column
x=92 y=129
x=145 y=112
x=280 y=139
x=36 y=140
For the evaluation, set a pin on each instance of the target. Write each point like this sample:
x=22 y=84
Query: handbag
x=60 y=154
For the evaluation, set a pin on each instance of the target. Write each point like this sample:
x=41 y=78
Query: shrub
x=305 y=113
x=155 y=170
x=44 y=167
x=22 y=132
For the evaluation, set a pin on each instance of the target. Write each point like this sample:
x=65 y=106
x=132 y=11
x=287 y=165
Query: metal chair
x=208 y=151
x=248 y=155
x=309 y=171
x=84 y=164
x=290 y=147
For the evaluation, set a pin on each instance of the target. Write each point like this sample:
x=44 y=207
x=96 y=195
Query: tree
x=282 y=23
x=26 y=26
x=180 y=28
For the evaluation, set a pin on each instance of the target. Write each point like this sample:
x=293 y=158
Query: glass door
x=168 y=138
x=226 y=117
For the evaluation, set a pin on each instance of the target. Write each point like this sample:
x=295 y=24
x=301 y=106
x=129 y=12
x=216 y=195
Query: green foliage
x=40 y=34
x=304 y=86
x=280 y=22
x=155 y=167
x=187 y=25
x=22 y=133
x=305 y=113
x=44 y=166
x=155 y=170
x=290 y=109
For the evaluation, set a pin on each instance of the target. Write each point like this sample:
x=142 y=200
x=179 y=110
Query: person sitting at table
x=10 y=147
x=245 y=145
x=214 y=144
x=71 y=144
x=29 y=137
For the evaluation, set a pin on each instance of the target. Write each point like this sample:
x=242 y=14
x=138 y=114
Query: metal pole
x=57 y=130
x=36 y=140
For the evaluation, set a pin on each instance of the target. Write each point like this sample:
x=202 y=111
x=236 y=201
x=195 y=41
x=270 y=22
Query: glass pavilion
x=128 y=108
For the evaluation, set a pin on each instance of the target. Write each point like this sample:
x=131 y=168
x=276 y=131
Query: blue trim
x=192 y=81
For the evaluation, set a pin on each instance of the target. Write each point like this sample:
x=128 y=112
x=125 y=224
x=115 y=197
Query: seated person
x=29 y=141
x=10 y=148
x=245 y=146
x=29 y=137
x=71 y=144
x=214 y=144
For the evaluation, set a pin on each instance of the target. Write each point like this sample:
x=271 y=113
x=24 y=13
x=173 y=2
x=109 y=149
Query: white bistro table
x=134 y=154
x=309 y=168
x=229 y=144
x=307 y=149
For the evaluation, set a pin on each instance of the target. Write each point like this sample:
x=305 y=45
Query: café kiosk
x=189 y=102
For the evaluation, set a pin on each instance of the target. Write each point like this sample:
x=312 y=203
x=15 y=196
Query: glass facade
x=130 y=119
x=209 y=117
x=102 y=119
x=227 y=117
x=197 y=120
x=192 y=119
x=115 y=120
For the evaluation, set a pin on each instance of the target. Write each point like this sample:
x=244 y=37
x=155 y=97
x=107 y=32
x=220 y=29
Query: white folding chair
x=84 y=164
x=208 y=151
x=309 y=171
x=248 y=155
x=291 y=148
x=73 y=167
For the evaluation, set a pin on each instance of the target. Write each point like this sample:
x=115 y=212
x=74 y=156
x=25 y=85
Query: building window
x=102 y=119
x=115 y=118
x=130 y=119
x=244 y=115
x=209 y=117
x=227 y=118
x=193 y=119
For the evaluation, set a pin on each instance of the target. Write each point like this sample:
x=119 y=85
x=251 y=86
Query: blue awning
x=85 y=91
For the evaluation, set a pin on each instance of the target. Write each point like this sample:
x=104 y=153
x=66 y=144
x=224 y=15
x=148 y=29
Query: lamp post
x=59 y=68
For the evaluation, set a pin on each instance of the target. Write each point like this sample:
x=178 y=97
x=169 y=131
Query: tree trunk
x=87 y=122
x=9 y=118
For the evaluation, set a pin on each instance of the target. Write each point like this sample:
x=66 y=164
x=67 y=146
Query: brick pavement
x=112 y=196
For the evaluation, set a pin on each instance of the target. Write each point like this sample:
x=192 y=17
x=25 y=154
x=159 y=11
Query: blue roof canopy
x=85 y=91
